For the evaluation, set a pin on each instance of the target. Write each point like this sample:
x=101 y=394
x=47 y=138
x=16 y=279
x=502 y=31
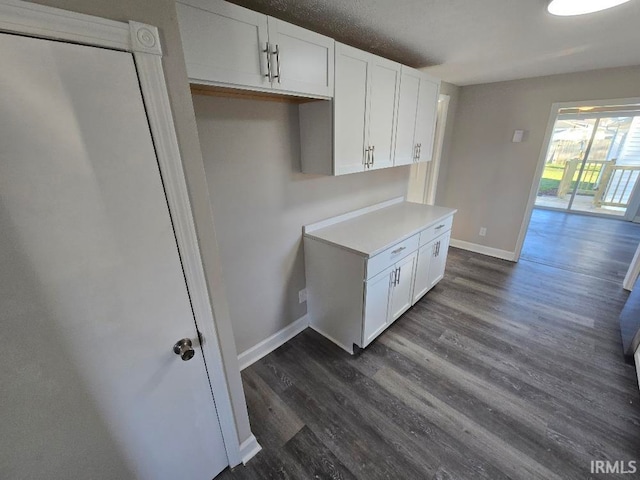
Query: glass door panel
x=567 y=149
x=611 y=168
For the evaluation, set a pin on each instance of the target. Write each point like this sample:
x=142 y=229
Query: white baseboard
x=267 y=346
x=484 y=250
x=249 y=448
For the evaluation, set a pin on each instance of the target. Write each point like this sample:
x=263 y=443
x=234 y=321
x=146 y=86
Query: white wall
x=260 y=201
x=162 y=14
x=488 y=178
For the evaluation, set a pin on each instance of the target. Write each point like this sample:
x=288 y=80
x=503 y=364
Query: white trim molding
x=249 y=449
x=633 y=272
x=484 y=250
x=25 y=18
x=143 y=41
x=265 y=347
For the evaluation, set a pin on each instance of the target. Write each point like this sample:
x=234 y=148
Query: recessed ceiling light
x=580 y=7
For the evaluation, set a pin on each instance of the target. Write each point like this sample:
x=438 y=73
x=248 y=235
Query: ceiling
x=472 y=41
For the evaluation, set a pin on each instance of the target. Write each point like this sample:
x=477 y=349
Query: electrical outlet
x=483 y=231
x=302 y=295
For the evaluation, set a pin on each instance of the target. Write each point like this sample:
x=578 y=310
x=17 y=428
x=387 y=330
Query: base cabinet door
x=224 y=43
x=402 y=287
x=438 y=259
x=422 y=282
x=302 y=60
x=376 y=308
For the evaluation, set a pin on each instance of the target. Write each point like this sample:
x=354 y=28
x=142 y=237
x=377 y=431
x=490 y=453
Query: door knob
x=184 y=348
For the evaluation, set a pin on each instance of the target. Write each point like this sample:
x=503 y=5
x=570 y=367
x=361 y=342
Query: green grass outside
x=552 y=175
x=550 y=180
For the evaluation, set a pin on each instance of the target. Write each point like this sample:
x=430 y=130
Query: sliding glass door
x=593 y=162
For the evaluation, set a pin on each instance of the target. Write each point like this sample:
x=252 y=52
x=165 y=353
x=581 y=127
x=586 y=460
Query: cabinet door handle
x=373 y=155
x=267 y=50
x=365 y=159
x=393 y=277
x=438 y=247
x=398 y=250
x=277 y=54
x=399 y=272
x=419 y=151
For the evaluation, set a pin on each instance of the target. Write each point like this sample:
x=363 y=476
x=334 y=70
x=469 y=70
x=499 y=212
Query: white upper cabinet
x=350 y=115
x=228 y=45
x=406 y=150
x=383 y=107
x=224 y=43
x=357 y=131
x=302 y=61
x=426 y=117
x=417 y=111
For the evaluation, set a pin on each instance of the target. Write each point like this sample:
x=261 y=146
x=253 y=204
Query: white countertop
x=370 y=233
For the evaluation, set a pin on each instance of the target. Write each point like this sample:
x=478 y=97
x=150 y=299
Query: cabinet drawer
x=391 y=255
x=436 y=229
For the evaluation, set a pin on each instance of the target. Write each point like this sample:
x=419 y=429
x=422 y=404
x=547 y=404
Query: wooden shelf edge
x=229 y=92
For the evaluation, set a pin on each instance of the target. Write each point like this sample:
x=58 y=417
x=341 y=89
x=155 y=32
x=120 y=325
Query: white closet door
x=91 y=286
x=385 y=84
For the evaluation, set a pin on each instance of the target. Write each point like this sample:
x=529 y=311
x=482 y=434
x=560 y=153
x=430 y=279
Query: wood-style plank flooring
x=502 y=371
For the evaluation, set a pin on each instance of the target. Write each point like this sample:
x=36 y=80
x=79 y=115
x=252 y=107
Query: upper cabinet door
x=224 y=43
x=426 y=118
x=405 y=149
x=350 y=109
x=301 y=60
x=383 y=107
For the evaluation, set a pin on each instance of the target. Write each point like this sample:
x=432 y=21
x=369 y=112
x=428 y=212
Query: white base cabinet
x=365 y=269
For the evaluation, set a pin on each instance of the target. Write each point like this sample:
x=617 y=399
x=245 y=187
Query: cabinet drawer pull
x=440 y=226
x=398 y=250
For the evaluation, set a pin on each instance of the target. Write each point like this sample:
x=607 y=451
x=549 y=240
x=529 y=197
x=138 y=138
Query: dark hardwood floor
x=502 y=371
x=601 y=247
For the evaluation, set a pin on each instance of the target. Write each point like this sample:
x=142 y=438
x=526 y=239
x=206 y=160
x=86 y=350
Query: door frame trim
x=533 y=193
x=143 y=42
